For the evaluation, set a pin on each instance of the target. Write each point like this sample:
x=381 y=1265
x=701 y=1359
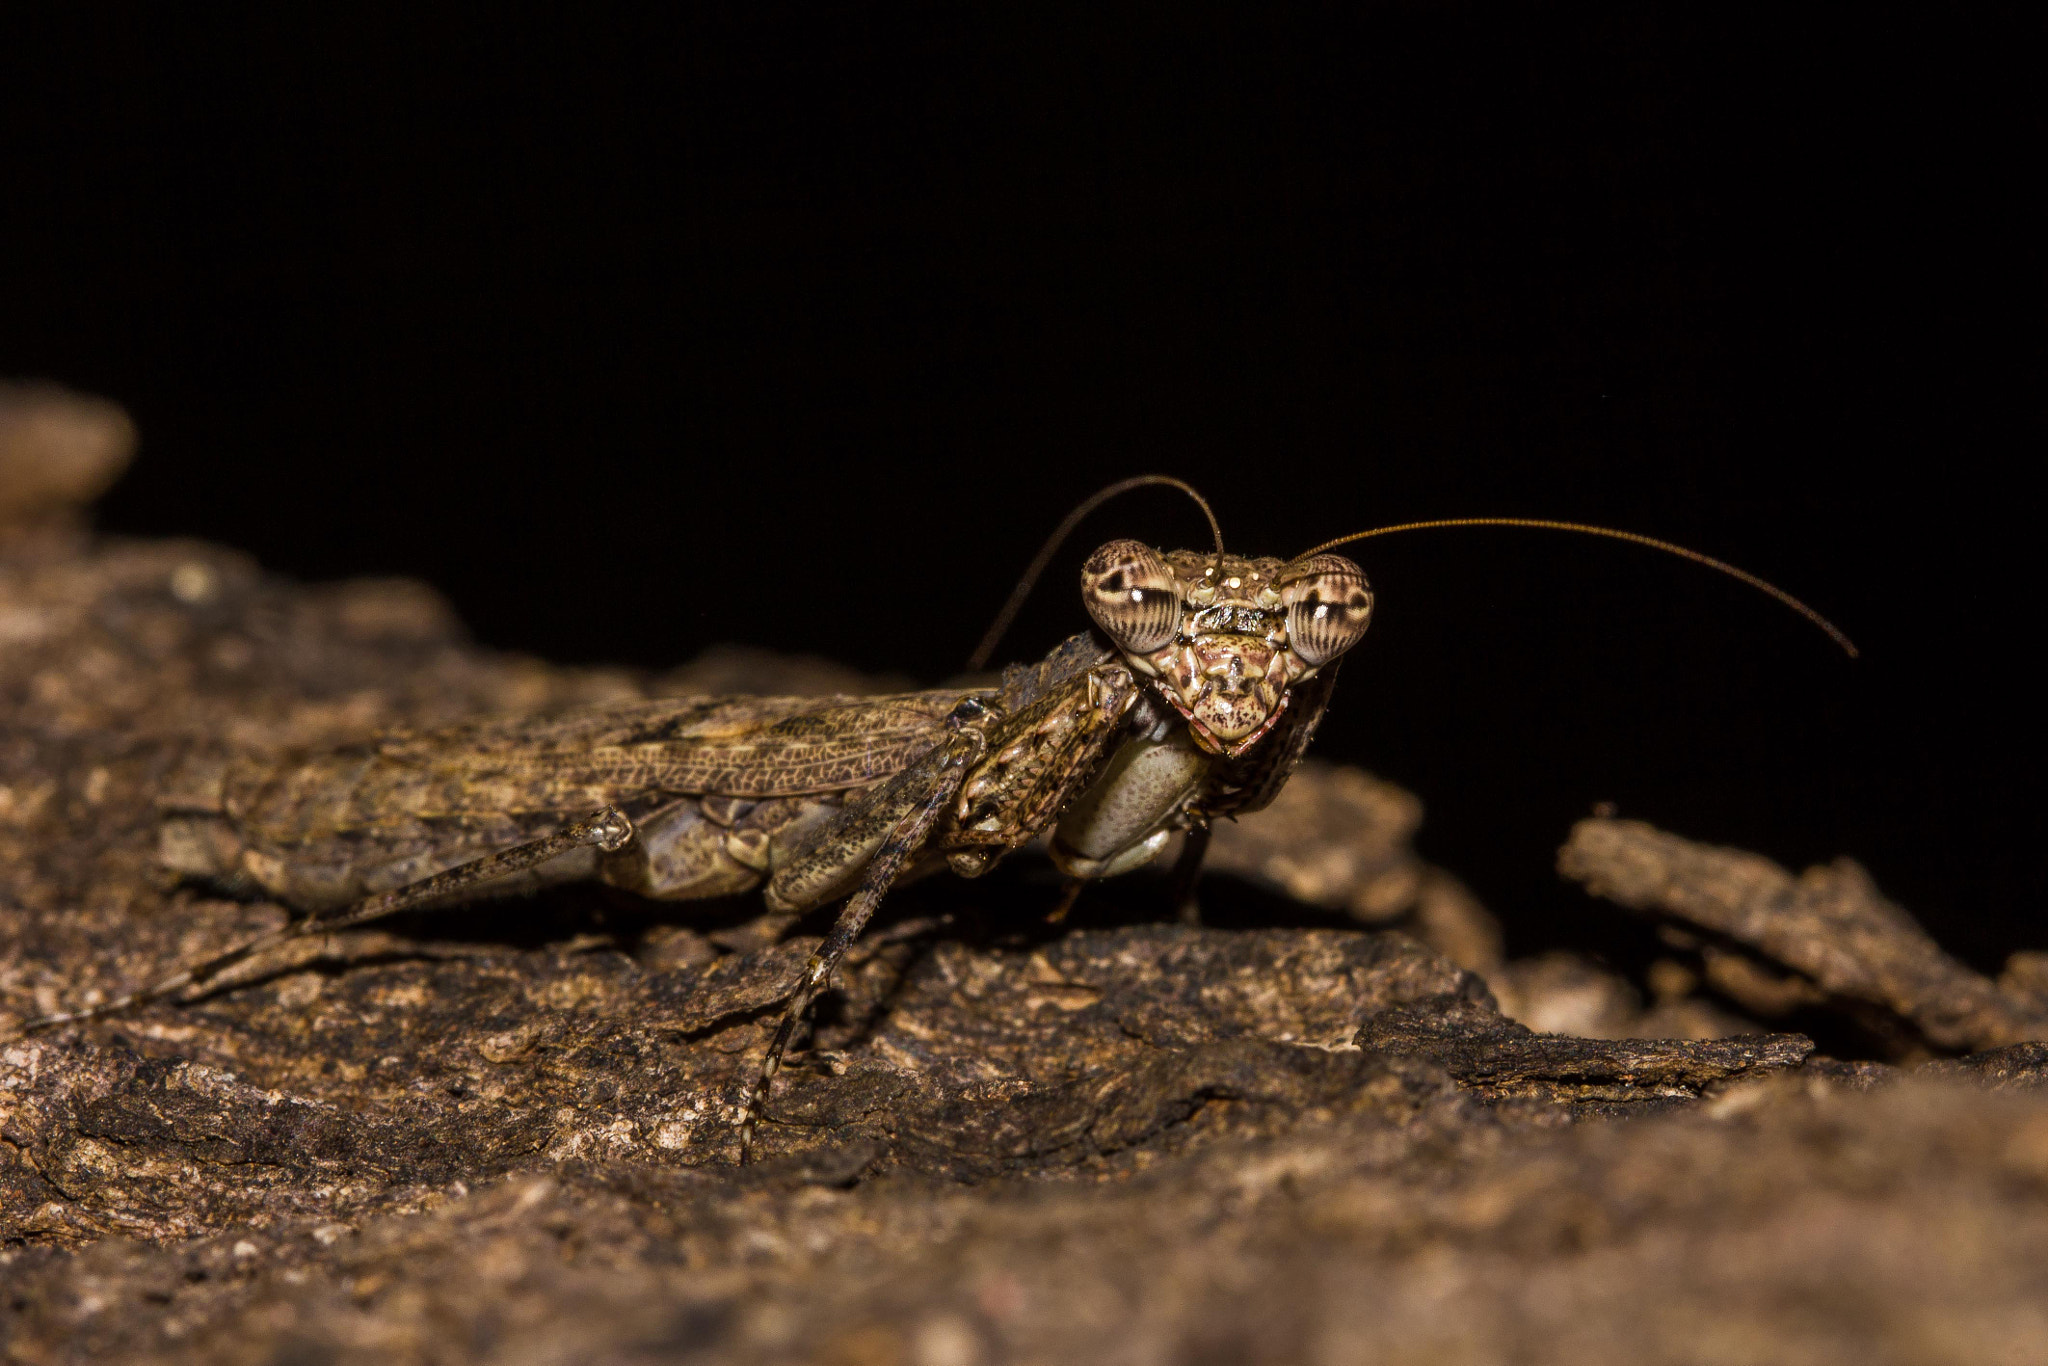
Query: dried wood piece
x=2025 y=979
x=1830 y=925
x=58 y=450
x=1498 y=1059
x=2020 y=1065
x=1568 y=993
x=1339 y=838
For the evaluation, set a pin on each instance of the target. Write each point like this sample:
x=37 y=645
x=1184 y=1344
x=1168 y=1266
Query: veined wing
x=573 y=762
x=737 y=747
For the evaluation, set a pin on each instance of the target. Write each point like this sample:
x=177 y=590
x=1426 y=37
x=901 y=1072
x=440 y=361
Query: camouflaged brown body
x=721 y=789
x=1177 y=710
x=754 y=747
x=723 y=774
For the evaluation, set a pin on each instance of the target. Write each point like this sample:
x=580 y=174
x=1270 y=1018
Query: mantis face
x=1222 y=638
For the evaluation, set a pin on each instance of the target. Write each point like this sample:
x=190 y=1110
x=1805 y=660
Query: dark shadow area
x=801 y=331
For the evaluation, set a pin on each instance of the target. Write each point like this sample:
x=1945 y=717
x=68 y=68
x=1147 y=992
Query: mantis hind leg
x=607 y=830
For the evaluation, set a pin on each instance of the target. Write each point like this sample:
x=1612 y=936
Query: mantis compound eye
x=1132 y=594
x=1329 y=605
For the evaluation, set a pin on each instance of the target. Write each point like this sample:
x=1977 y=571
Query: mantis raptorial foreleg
x=998 y=777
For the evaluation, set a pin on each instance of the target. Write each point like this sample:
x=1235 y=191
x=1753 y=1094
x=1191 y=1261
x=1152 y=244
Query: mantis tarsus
x=1192 y=699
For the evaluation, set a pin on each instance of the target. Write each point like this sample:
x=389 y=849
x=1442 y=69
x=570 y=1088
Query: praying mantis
x=1191 y=699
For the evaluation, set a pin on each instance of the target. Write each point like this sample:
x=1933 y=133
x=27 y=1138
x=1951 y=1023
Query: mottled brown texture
x=1782 y=1222
x=503 y=1133
x=1830 y=927
x=323 y=829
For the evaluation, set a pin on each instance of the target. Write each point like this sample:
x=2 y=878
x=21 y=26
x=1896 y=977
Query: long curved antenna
x=984 y=651
x=1834 y=632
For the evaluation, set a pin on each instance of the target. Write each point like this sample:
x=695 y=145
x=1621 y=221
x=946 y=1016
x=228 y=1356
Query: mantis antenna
x=1833 y=632
x=984 y=651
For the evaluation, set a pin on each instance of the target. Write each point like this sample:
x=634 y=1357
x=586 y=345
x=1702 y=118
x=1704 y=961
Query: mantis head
x=1221 y=638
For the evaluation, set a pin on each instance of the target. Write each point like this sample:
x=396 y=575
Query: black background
x=802 y=328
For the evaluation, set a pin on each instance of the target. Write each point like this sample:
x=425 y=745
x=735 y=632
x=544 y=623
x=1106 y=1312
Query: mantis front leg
x=996 y=782
x=904 y=839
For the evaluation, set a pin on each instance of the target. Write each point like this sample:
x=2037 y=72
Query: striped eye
x=1329 y=605
x=1132 y=595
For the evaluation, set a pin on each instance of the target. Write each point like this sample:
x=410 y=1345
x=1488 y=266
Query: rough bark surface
x=502 y=1133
